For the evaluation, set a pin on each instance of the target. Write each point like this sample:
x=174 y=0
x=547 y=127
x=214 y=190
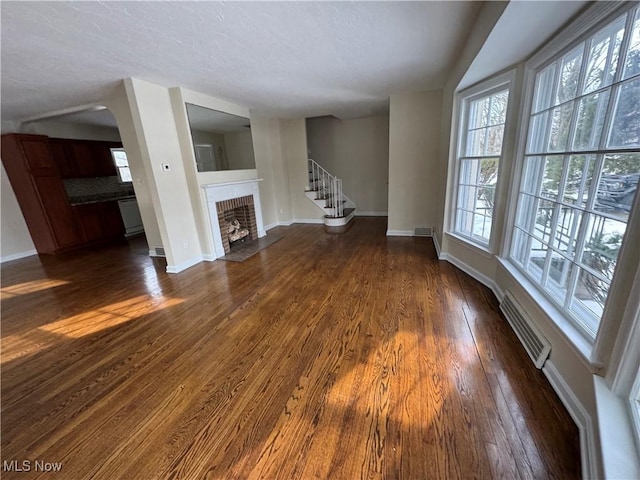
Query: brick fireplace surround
x=244 y=194
x=243 y=209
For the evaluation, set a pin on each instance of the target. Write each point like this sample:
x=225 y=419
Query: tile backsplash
x=80 y=187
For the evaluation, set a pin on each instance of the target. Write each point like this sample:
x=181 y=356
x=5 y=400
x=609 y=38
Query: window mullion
x=624 y=45
x=531 y=224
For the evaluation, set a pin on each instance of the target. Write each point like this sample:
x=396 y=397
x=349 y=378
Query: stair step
x=346 y=212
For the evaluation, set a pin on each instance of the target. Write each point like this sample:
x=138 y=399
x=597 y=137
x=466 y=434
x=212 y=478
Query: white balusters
x=328 y=187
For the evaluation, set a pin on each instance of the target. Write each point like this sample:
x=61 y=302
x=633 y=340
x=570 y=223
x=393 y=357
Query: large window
x=482 y=130
x=581 y=169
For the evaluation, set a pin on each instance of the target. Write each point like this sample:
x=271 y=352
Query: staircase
x=325 y=190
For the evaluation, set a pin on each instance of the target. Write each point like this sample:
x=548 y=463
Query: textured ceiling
x=285 y=59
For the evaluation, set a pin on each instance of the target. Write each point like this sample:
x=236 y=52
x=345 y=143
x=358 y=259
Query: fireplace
x=237 y=221
x=226 y=201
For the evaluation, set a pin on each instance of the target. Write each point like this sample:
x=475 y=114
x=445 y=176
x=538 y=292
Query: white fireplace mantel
x=218 y=192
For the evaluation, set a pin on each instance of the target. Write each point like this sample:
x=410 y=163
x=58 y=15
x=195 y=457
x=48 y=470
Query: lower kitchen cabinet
x=99 y=222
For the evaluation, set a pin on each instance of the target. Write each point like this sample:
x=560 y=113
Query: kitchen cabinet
x=99 y=222
x=36 y=181
x=64 y=161
x=104 y=165
x=83 y=158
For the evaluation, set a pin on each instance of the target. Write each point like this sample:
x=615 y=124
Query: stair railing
x=329 y=188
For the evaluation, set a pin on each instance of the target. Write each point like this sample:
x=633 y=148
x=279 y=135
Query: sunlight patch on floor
x=85 y=323
x=30 y=287
x=108 y=316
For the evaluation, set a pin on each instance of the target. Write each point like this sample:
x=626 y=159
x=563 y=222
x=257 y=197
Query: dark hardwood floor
x=323 y=356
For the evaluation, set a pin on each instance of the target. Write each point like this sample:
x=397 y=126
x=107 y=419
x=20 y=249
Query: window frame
x=119 y=168
x=464 y=98
x=595 y=18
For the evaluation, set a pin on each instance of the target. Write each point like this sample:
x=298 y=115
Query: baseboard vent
x=423 y=231
x=536 y=345
x=159 y=251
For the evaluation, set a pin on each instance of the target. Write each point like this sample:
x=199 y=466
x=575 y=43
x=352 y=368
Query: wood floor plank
x=323 y=356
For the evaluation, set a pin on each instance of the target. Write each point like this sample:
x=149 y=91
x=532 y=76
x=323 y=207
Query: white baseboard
x=482 y=278
x=207 y=257
x=17 y=256
x=400 y=233
x=153 y=253
x=184 y=265
x=437 y=245
x=286 y=223
x=371 y=214
x=588 y=452
x=308 y=220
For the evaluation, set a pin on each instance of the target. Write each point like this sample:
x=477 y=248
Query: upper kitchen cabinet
x=103 y=159
x=35 y=178
x=63 y=158
x=84 y=158
x=36 y=154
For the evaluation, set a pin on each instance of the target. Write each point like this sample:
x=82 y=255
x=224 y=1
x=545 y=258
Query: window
x=635 y=407
x=122 y=164
x=581 y=170
x=479 y=152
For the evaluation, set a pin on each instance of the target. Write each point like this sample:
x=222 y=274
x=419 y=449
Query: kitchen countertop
x=99 y=197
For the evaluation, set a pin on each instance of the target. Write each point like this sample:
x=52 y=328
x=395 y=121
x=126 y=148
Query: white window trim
x=486 y=87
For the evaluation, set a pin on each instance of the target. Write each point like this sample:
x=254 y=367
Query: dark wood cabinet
x=36 y=166
x=64 y=161
x=112 y=224
x=103 y=160
x=99 y=222
x=83 y=158
x=36 y=181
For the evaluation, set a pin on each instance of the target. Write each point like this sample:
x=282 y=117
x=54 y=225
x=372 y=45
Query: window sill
x=618 y=447
x=561 y=324
x=469 y=243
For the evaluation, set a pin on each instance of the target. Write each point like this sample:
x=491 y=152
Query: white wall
x=271 y=167
x=414 y=133
x=294 y=150
x=15 y=240
x=118 y=104
x=357 y=151
x=159 y=143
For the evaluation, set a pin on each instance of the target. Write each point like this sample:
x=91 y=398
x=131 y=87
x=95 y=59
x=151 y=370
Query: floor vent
x=534 y=343
x=160 y=252
x=423 y=231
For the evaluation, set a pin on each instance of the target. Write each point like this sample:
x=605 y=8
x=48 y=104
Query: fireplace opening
x=237 y=221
